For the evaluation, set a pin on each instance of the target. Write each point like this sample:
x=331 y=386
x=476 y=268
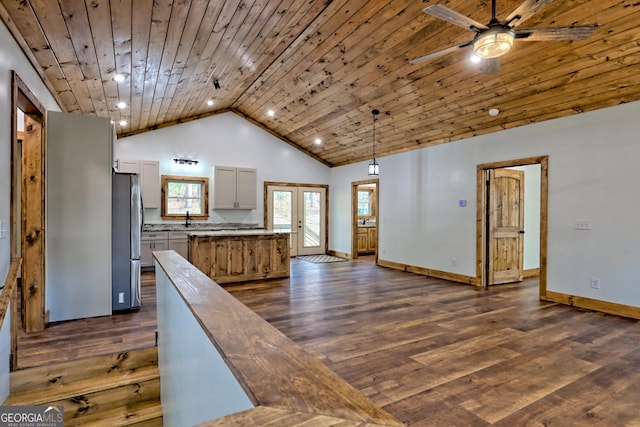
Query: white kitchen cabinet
x=179 y=242
x=149 y=171
x=234 y=188
x=128 y=166
x=152 y=241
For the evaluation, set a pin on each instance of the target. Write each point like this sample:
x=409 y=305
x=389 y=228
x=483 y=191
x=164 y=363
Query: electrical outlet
x=582 y=224
x=454 y=262
x=595 y=283
x=121 y=298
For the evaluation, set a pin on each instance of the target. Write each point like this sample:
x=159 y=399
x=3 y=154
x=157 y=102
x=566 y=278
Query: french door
x=301 y=211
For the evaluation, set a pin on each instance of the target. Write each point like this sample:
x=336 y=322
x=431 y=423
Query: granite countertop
x=195 y=226
x=245 y=232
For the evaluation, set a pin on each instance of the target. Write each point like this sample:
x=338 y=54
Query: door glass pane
x=282 y=206
x=311 y=219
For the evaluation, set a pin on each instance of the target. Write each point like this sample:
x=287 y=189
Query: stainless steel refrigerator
x=126 y=230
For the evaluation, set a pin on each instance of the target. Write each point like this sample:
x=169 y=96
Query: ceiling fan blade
x=439 y=53
x=453 y=17
x=556 y=34
x=490 y=65
x=525 y=11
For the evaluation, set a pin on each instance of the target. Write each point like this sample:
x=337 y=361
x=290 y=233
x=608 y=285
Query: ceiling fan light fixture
x=494 y=42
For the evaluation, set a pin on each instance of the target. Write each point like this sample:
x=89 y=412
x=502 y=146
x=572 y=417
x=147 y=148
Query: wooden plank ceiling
x=323 y=65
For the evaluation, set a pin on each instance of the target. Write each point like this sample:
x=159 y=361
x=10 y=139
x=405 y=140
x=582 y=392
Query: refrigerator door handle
x=137 y=219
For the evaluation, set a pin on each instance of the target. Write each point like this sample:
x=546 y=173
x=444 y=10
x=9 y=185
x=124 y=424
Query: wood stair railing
x=116 y=390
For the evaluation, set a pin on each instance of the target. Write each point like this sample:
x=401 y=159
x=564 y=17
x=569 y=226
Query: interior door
x=301 y=211
x=505 y=242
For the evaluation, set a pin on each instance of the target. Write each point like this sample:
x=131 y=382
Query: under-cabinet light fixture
x=185 y=161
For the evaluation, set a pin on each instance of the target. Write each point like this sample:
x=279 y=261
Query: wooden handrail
x=284 y=382
x=9 y=295
x=9 y=287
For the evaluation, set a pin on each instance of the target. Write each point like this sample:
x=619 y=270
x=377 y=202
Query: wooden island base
x=229 y=256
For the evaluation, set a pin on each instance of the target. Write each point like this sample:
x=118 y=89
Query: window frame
x=371 y=202
x=203 y=180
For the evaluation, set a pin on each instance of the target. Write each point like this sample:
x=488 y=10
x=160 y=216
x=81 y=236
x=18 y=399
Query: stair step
x=116 y=390
x=151 y=422
x=126 y=398
x=140 y=413
x=37 y=386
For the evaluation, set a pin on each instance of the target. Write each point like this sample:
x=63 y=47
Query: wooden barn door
x=505 y=226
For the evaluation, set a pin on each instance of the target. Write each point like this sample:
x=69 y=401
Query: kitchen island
x=228 y=256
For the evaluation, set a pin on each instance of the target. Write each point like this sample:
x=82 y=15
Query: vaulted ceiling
x=322 y=65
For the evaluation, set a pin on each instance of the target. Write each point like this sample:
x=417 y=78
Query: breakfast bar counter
x=228 y=256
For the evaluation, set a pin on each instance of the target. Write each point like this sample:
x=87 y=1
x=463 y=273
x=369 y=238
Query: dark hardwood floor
x=432 y=352
x=96 y=336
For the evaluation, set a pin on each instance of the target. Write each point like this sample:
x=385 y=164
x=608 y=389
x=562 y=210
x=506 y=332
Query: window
x=185 y=194
x=365 y=203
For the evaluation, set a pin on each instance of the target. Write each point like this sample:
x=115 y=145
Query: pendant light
x=374 y=167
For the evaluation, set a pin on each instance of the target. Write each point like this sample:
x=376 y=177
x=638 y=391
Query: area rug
x=320 y=259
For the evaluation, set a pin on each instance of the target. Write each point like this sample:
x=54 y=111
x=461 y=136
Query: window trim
x=372 y=195
x=191 y=179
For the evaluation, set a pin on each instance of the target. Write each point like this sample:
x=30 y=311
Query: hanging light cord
x=375 y=113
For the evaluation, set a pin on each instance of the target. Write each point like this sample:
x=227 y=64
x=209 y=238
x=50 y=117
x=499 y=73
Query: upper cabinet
x=234 y=188
x=149 y=171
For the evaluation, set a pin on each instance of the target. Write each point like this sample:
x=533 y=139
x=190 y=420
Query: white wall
x=223 y=140
x=78 y=267
x=11 y=58
x=531 y=215
x=593 y=174
x=197 y=385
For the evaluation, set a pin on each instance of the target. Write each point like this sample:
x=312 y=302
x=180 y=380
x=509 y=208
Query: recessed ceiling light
x=318 y=141
x=123 y=122
x=475 y=59
x=210 y=102
x=271 y=113
x=121 y=105
x=494 y=112
x=118 y=78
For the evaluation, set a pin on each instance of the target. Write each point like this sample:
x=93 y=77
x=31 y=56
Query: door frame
x=481 y=219
x=354 y=215
x=294 y=184
x=33 y=307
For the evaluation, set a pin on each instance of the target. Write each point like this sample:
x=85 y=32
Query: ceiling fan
x=496 y=38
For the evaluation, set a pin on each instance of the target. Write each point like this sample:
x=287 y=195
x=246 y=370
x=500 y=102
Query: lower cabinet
x=238 y=258
x=179 y=242
x=152 y=241
x=162 y=241
x=367 y=239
